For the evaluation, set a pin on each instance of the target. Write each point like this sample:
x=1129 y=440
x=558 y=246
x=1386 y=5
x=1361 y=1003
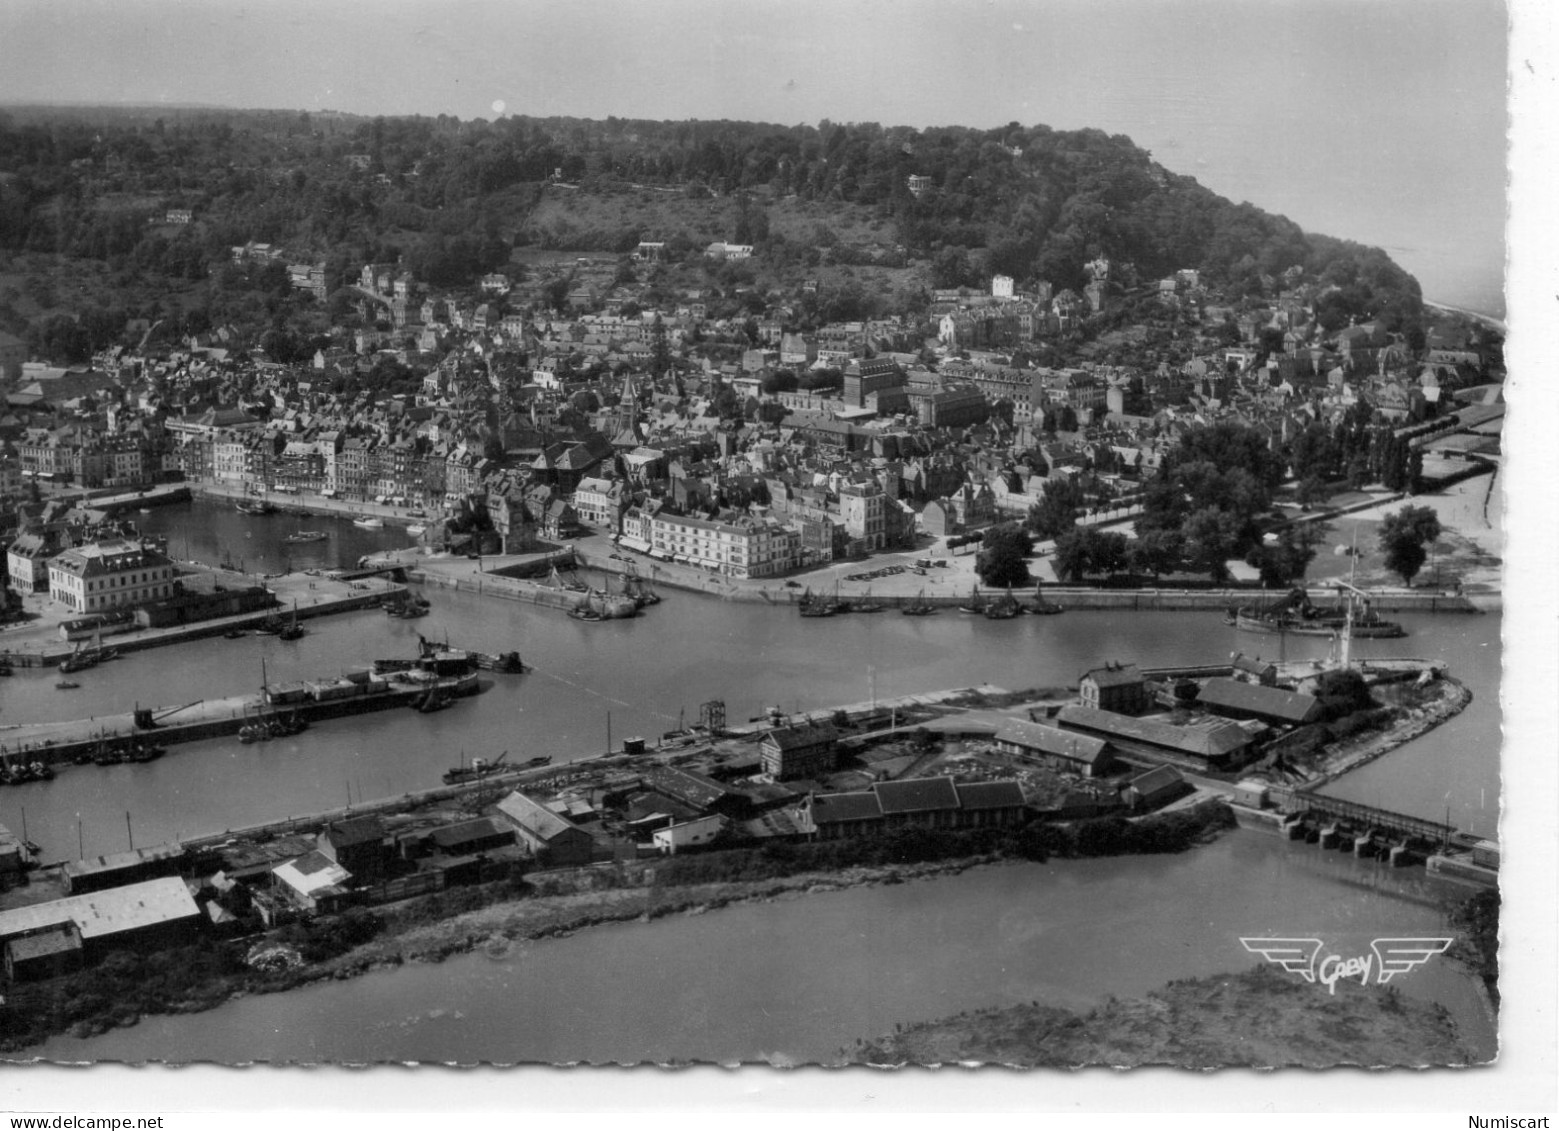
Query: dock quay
x=58 y=743
x=907 y=588
x=40 y=645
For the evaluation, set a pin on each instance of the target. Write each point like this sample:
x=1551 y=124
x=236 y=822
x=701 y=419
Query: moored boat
x=1041 y=606
x=292 y=630
x=867 y=605
x=919 y=607
x=478 y=769
x=975 y=604
x=1297 y=615
x=811 y=606
x=306 y=536
x=1004 y=607
x=368 y=522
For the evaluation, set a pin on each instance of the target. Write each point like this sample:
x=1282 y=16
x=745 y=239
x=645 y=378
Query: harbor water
x=798 y=978
x=642 y=677
x=745 y=982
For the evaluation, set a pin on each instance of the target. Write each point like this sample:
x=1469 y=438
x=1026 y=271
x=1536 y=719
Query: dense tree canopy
x=1003 y=555
x=1028 y=201
x=1405 y=536
x=1210 y=490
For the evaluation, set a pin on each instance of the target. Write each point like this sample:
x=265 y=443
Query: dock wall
x=497 y=585
x=1067 y=597
x=178 y=634
x=219 y=719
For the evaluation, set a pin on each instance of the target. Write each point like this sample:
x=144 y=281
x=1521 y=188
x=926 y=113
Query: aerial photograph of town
x=775 y=535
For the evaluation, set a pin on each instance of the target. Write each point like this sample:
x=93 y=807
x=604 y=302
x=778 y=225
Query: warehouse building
x=1210 y=745
x=1234 y=699
x=156 y=913
x=553 y=840
x=936 y=803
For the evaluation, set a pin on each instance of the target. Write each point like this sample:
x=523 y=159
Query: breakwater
x=63 y=742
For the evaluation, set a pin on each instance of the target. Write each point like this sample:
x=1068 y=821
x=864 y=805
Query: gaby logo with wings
x=1389 y=958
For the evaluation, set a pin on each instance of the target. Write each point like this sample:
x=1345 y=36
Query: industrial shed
x=552 y=839
x=152 y=914
x=1051 y=746
x=1214 y=745
x=1234 y=699
x=49 y=953
x=97 y=873
x=919 y=802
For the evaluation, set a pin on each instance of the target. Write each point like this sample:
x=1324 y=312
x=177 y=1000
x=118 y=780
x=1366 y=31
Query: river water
x=1106 y=926
x=796 y=979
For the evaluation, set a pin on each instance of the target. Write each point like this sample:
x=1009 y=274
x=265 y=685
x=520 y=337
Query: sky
x=1382 y=121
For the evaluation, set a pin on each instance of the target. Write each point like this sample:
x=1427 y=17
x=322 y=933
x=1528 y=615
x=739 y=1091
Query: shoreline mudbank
x=128 y=985
x=1259 y=1018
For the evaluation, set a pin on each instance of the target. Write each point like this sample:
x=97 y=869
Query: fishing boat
x=435 y=700
x=975 y=604
x=66 y=684
x=416 y=530
x=867 y=605
x=919 y=607
x=613 y=606
x=409 y=607
x=143 y=751
x=1004 y=607
x=636 y=587
x=293 y=630
x=1043 y=607
x=5 y=666
x=78 y=661
x=584 y=612
x=367 y=522
x=258 y=507
x=813 y=606
x=306 y=536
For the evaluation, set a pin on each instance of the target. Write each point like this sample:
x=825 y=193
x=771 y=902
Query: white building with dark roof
x=745 y=548
x=109 y=575
x=313 y=882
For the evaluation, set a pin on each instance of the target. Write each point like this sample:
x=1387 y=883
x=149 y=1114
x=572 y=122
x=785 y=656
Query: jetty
x=388 y=684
